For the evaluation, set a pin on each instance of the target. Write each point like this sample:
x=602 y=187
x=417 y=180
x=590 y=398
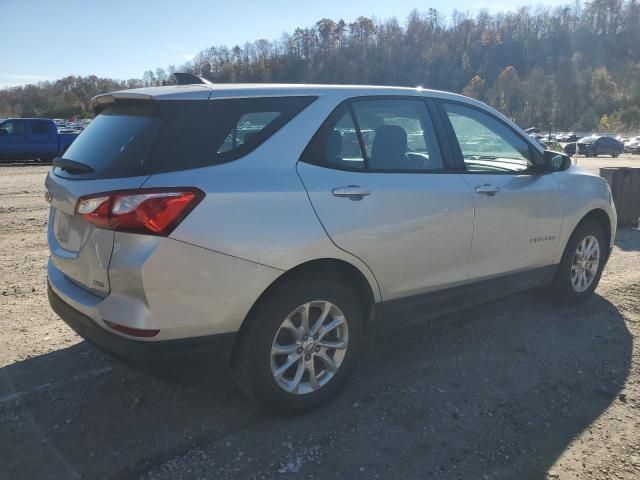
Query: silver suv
x=270 y=228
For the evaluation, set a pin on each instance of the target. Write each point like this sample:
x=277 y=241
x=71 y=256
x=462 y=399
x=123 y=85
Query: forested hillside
x=575 y=67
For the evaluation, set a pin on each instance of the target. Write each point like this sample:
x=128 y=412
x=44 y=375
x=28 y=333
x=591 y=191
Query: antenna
x=183 y=78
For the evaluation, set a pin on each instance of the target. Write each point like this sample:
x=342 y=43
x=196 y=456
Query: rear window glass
x=40 y=127
x=134 y=139
x=116 y=142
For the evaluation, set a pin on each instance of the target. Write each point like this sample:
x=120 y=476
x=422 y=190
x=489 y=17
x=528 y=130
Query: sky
x=49 y=39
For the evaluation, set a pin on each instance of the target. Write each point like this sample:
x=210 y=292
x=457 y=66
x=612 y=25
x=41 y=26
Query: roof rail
x=183 y=78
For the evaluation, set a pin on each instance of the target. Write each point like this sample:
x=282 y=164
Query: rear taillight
x=150 y=211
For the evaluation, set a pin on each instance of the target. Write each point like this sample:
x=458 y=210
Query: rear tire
x=260 y=372
x=569 y=285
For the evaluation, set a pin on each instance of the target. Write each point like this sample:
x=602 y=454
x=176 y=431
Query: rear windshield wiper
x=71 y=166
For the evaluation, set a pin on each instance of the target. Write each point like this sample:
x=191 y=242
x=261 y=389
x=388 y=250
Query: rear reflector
x=134 y=332
x=148 y=211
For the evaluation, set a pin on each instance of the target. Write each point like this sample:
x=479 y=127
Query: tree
x=475 y=88
x=566 y=65
x=603 y=90
x=506 y=92
x=630 y=117
x=149 y=78
x=604 y=124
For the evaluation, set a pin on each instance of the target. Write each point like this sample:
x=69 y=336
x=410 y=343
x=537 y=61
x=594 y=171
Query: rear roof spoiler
x=183 y=78
x=100 y=101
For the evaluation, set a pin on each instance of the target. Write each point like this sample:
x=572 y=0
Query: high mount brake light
x=151 y=211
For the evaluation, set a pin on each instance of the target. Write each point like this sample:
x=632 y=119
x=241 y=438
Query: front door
x=381 y=188
x=13 y=139
x=518 y=209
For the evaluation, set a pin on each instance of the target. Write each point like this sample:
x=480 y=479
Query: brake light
x=150 y=211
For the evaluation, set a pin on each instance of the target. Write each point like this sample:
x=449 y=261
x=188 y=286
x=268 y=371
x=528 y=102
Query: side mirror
x=4 y=131
x=556 y=162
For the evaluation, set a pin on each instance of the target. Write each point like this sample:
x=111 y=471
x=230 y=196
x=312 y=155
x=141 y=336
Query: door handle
x=487 y=189
x=355 y=192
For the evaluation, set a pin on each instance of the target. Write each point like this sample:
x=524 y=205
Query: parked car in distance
x=277 y=253
x=632 y=145
x=538 y=139
x=593 y=146
x=32 y=138
x=552 y=145
x=570 y=149
x=567 y=137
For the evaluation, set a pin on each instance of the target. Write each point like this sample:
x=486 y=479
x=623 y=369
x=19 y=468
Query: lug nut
x=317 y=348
x=305 y=336
x=307 y=357
x=299 y=349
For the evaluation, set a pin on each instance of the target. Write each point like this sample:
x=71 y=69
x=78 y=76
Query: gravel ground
x=515 y=389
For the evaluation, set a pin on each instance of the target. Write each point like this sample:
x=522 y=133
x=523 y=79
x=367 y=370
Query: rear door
x=518 y=208
x=43 y=138
x=381 y=187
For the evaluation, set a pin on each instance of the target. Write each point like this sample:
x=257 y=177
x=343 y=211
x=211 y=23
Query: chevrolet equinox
x=273 y=227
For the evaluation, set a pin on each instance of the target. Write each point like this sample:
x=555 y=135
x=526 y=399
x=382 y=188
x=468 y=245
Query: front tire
x=301 y=344
x=582 y=262
x=616 y=153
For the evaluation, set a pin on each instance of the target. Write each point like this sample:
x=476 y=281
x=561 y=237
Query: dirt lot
x=515 y=389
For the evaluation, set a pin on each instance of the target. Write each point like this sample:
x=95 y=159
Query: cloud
x=178 y=50
x=16 y=79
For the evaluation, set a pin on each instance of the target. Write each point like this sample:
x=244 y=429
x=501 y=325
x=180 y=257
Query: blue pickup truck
x=32 y=139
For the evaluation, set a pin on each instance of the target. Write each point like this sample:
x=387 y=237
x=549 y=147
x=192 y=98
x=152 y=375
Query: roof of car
x=25 y=118
x=226 y=90
x=200 y=91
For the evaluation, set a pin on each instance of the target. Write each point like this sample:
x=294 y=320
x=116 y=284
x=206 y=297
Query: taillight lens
x=151 y=211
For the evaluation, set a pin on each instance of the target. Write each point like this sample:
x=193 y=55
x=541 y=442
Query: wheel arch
x=341 y=269
x=602 y=218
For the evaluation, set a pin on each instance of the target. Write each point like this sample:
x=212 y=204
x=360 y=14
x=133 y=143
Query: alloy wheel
x=309 y=347
x=584 y=266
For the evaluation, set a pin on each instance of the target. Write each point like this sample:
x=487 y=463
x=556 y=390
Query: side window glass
x=13 y=127
x=398 y=135
x=40 y=128
x=248 y=126
x=487 y=144
x=337 y=144
x=342 y=146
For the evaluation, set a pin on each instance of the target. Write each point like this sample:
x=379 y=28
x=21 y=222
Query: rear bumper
x=143 y=353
